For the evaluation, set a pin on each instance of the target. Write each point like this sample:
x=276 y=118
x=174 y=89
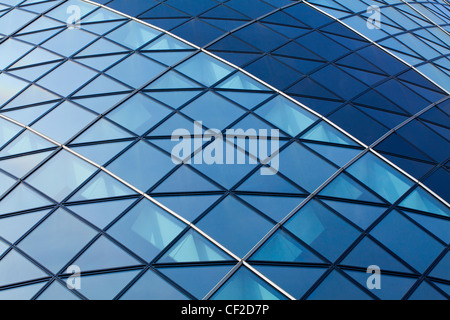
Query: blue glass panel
x=426 y=292
x=421 y=200
x=106 y=286
x=101 y=131
x=337 y=287
x=15 y=268
x=193 y=247
x=136 y=70
x=441 y=270
x=286 y=115
x=133 y=34
x=275 y=207
x=295 y=280
x=229 y=222
x=326 y=133
x=245 y=285
x=367 y=253
x=392 y=288
x=407 y=240
x=439 y=227
x=189 y=207
x=361 y=215
x=6 y=183
x=101 y=213
x=322 y=230
x=9 y=87
x=103 y=254
x=152 y=287
x=14 y=227
x=204 y=69
x=54 y=242
x=22 y=198
x=26 y=142
x=58 y=292
x=61 y=175
x=196 y=280
x=281 y=247
x=69 y=41
x=146 y=229
x=21 y=293
x=139 y=114
x=101 y=153
x=240 y=81
x=338 y=155
x=137 y=166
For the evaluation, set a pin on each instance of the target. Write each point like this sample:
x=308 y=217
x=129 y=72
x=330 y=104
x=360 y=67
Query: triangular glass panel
x=172 y=80
x=439 y=227
x=21 y=293
x=245 y=285
x=57 y=291
x=193 y=247
x=26 y=142
x=102 y=103
x=100 y=85
x=338 y=155
x=281 y=247
x=104 y=254
x=240 y=81
x=12 y=228
x=22 y=198
x=326 y=133
x=275 y=207
x=421 y=200
x=102 y=186
x=101 y=131
x=15 y=268
x=196 y=280
x=101 y=213
x=100 y=153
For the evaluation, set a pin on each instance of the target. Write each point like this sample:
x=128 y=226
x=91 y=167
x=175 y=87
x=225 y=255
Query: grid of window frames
x=361 y=87
x=87 y=178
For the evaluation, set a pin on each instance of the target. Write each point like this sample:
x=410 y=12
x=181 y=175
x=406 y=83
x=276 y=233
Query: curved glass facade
x=280 y=166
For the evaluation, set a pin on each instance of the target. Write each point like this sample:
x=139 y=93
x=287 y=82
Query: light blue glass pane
x=101 y=153
x=61 y=175
x=303 y=167
x=21 y=293
x=103 y=254
x=54 y=242
x=133 y=34
x=101 y=213
x=11 y=50
x=9 y=87
x=392 y=288
x=58 y=292
x=245 y=285
x=229 y=224
x=69 y=41
x=421 y=200
x=139 y=114
x=32 y=95
x=136 y=70
x=337 y=287
x=189 y=207
x=214 y=111
x=15 y=268
x=25 y=142
x=166 y=42
x=102 y=186
x=106 y=286
x=273 y=183
x=22 y=198
x=60 y=13
x=205 y=69
x=28 y=115
x=381 y=177
x=294 y=280
x=14 y=227
x=13 y=20
x=281 y=247
x=64 y=122
x=7 y=131
x=172 y=80
x=326 y=133
x=338 y=155
x=275 y=207
x=368 y=253
x=137 y=166
x=361 y=215
x=197 y=280
x=408 y=241
x=146 y=229
x=322 y=230
x=152 y=287
x=6 y=182
x=439 y=227
x=426 y=292
x=193 y=247
x=344 y=187
x=286 y=115
x=57 y=79
x=240 y=81
x=101 y=104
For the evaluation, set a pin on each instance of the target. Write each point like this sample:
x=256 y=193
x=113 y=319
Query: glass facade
x=90 y=99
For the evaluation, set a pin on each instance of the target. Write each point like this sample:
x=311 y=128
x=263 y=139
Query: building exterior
x=187 y=149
